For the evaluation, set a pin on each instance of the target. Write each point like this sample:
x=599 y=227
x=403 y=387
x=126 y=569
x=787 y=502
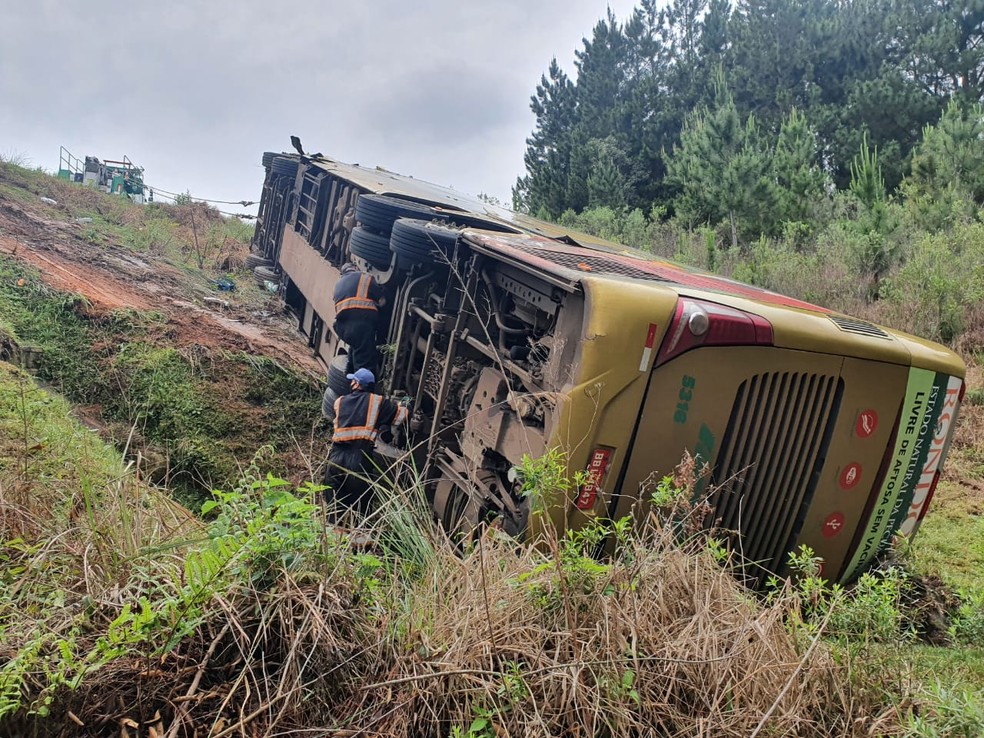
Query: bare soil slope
x=112 y=277
x=249 y=379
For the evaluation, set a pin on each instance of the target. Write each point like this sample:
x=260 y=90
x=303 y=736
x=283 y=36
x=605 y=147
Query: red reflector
x=596 y=473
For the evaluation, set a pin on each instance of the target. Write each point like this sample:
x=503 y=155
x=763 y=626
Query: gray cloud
x=196 y=91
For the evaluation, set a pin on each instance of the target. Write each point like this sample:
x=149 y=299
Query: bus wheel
x=284 y=166
x=457 y=511
x=379 y=212
x=420 y=241
x=338 y=380
x=328 y=404
x=256 y=260
x=266 y=274
x=370 y=246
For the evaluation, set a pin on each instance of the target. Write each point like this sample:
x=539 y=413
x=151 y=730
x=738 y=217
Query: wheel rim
x=459 y=513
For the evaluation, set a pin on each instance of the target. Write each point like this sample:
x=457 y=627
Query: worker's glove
x=386 y=434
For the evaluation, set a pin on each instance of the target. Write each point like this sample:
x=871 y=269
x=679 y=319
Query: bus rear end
x=819 y=430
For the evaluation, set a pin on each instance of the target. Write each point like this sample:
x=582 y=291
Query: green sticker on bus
x=923 y=400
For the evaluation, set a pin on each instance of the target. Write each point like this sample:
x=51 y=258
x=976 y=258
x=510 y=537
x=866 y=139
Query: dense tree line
x=746 y=117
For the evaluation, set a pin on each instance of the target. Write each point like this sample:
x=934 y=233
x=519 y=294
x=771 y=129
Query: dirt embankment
x=190 y=380
x=111 y=278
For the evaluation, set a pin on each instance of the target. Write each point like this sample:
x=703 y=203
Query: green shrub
x=632 y=228
x=872 y=609
x=869 y=610
x=273 y=529
x=160 y=391
x=967 y=625
x=940 y=281
x=945 y=712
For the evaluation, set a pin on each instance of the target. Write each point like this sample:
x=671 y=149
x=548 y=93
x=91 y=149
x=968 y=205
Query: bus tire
x=370 y=246
x=284 y=166
x=379 y=212
x=420 y=241
x=338 y=376
x=457 y=512
x=328 y=404
x=257 y=260
x=266 y=273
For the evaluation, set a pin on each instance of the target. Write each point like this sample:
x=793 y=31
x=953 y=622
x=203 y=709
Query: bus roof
x=569 y=256
x=573 y=262
x=380 y=181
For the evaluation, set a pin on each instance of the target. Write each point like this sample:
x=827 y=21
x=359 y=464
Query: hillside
x=121 y=307
x=122 y=613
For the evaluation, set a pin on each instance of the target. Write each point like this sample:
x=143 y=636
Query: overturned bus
x=513 y=336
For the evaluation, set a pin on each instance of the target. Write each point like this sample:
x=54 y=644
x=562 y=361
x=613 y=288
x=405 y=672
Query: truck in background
x=121 y=177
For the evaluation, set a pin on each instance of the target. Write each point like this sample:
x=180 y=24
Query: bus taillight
x=701 y=323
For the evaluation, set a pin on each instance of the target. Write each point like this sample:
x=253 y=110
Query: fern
x=13 y=676
x=205 y=568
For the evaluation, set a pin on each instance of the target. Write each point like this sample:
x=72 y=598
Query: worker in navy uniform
x=359 y=418
x=357 y=300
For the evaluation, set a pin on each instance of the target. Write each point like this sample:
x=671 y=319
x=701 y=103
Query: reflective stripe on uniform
x=361 y=299
x=366 y=432
x=401 y=415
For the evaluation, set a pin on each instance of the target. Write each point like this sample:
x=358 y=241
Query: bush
x=940 y=282
x=628 y=227
x=967 y=625
x=869 y=610
x=945 y=712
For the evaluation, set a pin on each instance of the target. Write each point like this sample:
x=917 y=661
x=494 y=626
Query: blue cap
x=362 y=376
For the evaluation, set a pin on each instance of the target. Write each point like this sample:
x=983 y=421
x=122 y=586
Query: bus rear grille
x=853 y=325
x=770 y=461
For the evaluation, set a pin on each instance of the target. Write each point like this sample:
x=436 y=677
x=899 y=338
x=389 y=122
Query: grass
x=958 y=667
x=950 y=543
x=261 y=622
x=191 y=412
x=33 y=313
x=119 y=611
x=65 y=493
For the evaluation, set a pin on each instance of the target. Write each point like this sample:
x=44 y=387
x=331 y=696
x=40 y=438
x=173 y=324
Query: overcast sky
x=195 y=92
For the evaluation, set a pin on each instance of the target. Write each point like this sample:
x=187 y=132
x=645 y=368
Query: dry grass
x=412 y=638
x=499 y=640
x=667 y=646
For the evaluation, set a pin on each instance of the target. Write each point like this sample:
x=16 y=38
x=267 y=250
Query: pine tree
x=874 y=249
x=722 y=169
x=947 y=180
x=773 y=56
x=608 y=183
x=650 y=128
x=799 y=179
x=548 y=150
x=601 y=80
